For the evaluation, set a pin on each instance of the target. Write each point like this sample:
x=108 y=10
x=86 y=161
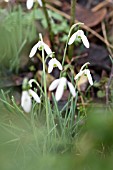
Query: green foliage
x=59 y=24
x=24 y=143
x=101 y=94
x=16 y=29
x=61 y=129
x=49 y=137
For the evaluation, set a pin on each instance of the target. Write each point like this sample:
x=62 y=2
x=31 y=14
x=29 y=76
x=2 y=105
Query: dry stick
x=108 y=85
x=51 y=35
x=111 y=74
x=83 y=26
x=56 y=2
x=105 y=36
x=101 y=5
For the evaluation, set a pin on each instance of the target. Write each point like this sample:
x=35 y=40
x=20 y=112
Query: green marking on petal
x=54 y=65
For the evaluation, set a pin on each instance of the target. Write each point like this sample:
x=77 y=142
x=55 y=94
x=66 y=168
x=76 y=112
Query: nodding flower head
x=59 y=85
x=39 y=46
x=26 y=101
x=79 y=35
x=85 y=72
x=54 y=63
x=29 y=3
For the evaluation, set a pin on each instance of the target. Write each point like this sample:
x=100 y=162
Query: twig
x=108 y=85
x=111 y=74
x=101 y=5
x=106 y=39
x=56 y=2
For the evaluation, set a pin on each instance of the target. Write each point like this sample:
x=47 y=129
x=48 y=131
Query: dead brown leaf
x=88 y=17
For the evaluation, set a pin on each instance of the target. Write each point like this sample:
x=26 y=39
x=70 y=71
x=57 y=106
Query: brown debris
x=88 y=17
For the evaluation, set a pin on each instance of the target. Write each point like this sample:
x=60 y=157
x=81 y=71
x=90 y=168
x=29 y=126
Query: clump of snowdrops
x=59 y=84
x=59 y=124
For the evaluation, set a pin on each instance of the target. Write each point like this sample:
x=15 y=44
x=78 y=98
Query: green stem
x=72 y=21
x=51 y=35
x=45 y=86
x=73 y=10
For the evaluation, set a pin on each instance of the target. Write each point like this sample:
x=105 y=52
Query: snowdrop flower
x=26 y=101
x=85 y=72
x=29 y=3
x=79 y=34
x=54 y=63
x=40 y=45
x=59 y=85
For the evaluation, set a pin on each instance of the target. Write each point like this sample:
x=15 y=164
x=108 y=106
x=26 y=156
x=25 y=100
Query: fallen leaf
x=88 y=17
x=85 y=15
x=49 y=78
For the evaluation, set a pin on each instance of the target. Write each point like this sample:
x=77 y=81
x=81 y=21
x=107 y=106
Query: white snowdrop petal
x=59 y=92
x=87 y=72
x=79 y=74
x=60 y=88
x=47 y=49
x=63 y=81
x=54 y=62
x=29 y=4
x=34 y=50
x=85 y=41
x=34 y=95
x=26 y=102
x=50 y=69
x=72 y=38
x=72 y=89
x=80 y=33
x=54 y=84
x=58 y=64
x=40 y=2
x=40 y=44
x=50 y=66
x=51 y=61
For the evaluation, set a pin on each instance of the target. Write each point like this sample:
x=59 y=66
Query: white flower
x=79 y=34
x=26 y=101
x=86 y=72
x=34 y=95
x=29 y=3
x=59 y=85
x=40 y=45
x=54 y=63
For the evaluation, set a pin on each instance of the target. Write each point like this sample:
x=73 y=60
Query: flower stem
x=51 y=35
x=45 y=86
x=72 y=21
x=73 y=10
